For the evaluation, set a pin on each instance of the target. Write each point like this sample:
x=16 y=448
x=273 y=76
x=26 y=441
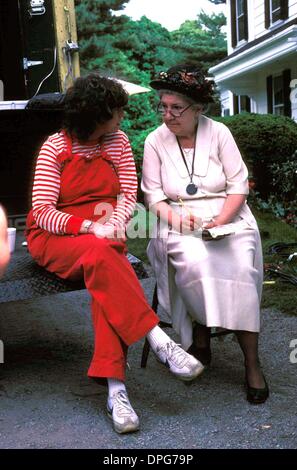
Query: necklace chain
x=191 y=188
x=183 y=157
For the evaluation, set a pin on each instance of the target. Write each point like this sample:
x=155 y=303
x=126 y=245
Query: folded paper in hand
x=222 y=230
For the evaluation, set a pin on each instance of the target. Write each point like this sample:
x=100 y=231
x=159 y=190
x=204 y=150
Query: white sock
x=114 y=386
x=157 y=337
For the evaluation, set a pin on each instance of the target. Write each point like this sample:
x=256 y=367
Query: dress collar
x=203 y=143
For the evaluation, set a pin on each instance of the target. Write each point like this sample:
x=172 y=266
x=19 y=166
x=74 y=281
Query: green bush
x=140 y=119
x=282 y=201
x=263 y=139
x=284 y=179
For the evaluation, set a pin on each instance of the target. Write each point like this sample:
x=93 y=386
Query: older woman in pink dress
x=195 y=180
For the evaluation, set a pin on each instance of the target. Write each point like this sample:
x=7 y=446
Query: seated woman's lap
x=61 y=254
x=230 y=257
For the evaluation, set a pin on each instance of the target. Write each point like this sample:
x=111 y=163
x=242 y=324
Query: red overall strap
x=66 y=153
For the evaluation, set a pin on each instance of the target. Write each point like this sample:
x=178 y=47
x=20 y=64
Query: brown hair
x=91 y=101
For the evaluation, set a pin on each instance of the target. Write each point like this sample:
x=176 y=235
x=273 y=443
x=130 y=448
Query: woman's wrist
x=217 y=221
x=214 y=222
x=87 y=227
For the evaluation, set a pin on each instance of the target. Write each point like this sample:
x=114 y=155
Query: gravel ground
x=47 y=401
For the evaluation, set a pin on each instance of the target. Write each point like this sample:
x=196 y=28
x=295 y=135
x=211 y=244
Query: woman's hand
x=231 y=208
x=213 y=223
x=187 y=224
x=108 y=231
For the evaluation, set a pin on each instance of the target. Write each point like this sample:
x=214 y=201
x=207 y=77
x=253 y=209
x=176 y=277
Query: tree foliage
x=137 y=50
x=202 y=41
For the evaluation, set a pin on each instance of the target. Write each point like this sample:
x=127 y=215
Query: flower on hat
x=192 y=83
x=163 y=75
x=188 y=78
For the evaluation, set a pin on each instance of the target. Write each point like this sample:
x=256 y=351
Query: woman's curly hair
x=91 y=101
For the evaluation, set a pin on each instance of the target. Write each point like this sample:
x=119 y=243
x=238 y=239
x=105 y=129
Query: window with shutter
x=241 y=103
x=278 y=94
x=278 y=103
x=239 y=21
x=235 y=104
x=275 y=10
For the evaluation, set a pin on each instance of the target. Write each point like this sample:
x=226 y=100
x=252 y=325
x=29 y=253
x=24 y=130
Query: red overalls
x=121 y=314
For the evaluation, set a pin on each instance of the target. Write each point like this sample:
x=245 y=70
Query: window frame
x=282 y=104
x=286 y=105
x=238 y=18
x=241 y=104
x=268 y=11
x=271 y=11
x=235 y=19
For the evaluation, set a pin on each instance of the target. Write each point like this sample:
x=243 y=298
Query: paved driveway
x=48 y=402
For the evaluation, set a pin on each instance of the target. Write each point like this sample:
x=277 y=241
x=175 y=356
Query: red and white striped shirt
x=46 y=186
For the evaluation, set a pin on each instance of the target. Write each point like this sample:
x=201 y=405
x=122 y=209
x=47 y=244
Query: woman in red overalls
x=83 y=196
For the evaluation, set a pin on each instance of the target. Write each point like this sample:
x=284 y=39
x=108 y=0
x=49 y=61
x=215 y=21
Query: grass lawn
x=280 y=294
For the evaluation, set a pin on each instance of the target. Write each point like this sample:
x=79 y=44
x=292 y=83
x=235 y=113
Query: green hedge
x=263 y=139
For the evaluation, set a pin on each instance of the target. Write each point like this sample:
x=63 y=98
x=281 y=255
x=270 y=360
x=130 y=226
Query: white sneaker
x=180 y=363
x=123 y=416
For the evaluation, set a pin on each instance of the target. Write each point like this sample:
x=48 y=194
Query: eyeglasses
x=175 y=111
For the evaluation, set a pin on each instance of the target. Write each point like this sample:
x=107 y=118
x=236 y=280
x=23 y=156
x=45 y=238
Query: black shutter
x=246 y=24
x=269 y=94
x=233 y=23
x=235 y=104
x=284 y=9
x=287 y=90
x=267 y=14
x=248 y=104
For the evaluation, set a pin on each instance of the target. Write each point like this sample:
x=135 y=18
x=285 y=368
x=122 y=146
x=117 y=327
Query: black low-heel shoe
x=202 y=354
x=256 y=396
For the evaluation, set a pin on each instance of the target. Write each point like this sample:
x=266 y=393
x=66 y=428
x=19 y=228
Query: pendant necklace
x=191 y=188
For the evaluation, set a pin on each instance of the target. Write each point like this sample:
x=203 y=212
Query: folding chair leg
x=145 y=353
x=147 y=347
x=162 y=324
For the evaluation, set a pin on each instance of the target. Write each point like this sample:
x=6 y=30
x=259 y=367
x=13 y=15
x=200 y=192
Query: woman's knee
x=187 y=273
x=101 y=249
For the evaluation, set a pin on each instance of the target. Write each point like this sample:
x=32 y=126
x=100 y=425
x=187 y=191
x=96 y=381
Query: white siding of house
x=259 y=18
x=294 y=90
x=259 y=96
x=292 y=9
x=256 y=18
x=226 y=101
x=229 y=37
x=251 y=20
x=257 y=29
